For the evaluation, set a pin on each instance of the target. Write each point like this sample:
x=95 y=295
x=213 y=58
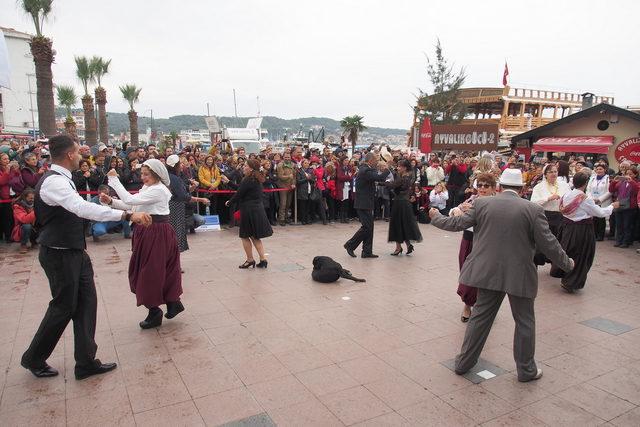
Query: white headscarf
x=156 y=166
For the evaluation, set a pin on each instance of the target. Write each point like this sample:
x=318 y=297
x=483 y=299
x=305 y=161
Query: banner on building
x=425 y=137
x=629 y=150
x=465 y=137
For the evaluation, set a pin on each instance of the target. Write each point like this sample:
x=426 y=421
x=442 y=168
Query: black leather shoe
x=153 y=320
x=99 y=368
x=262 y=264
x=43 y=372
x=173 y=309
x=350 y=252
x=369 y=256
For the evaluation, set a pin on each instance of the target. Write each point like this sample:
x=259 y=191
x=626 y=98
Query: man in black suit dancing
x=365 y=190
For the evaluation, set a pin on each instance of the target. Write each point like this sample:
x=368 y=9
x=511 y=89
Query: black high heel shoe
x=396 y=252
x=262 y=264
x=153 y=320
x=409 y=249
x=248 y=264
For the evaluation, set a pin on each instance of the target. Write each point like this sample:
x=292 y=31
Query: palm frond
x=39 y=11
x=131 y=94
x=84 y=72
x=66 y=97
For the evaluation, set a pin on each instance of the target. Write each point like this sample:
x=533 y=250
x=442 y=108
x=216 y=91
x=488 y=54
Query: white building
x=18 y=105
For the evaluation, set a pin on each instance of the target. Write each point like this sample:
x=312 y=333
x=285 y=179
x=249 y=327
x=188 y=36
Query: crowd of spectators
x=311 y=185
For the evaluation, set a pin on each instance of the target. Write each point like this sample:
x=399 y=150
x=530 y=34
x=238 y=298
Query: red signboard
x=425 y=136
x=629 y=149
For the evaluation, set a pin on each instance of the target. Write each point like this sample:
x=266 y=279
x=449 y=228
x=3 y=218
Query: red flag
x=425 y=136
x=506 y=73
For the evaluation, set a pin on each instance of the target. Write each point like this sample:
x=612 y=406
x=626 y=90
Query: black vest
x=58 y=227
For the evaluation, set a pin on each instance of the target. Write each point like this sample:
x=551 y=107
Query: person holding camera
x=438 y=198
x=625 y=190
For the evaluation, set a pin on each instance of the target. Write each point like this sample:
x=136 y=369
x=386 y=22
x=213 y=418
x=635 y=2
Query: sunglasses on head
x=483 y=185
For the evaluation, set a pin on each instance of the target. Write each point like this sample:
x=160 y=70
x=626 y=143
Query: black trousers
x=73 y=292
x=6 y=221
x=599 y=227
x=364 y=234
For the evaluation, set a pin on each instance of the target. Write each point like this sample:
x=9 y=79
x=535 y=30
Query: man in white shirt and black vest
x=60 y=216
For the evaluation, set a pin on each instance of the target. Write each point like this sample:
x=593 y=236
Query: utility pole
x=33 y=120
x=258 y=102
x=208 y=115
x=235 y=105
x=152 y=138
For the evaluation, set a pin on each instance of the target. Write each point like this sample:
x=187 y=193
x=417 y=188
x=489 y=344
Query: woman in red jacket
x=24 y=218
x=7 y=171
x=625 y=190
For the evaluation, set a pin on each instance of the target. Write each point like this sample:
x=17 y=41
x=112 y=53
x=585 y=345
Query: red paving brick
x=272 y=341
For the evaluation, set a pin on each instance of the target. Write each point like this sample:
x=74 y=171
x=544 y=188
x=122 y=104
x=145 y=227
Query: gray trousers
x=479 y=326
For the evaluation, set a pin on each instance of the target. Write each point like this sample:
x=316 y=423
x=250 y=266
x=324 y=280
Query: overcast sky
x=337 y=57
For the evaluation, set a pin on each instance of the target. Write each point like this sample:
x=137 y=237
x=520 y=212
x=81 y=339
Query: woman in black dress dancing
x=403 y=226
x=254 y=224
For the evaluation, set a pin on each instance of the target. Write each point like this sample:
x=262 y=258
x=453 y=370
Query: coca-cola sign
x=629 y=150
x=425 y=136
x=465 y=137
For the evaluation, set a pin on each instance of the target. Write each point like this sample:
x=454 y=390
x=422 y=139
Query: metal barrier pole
x=295 y=206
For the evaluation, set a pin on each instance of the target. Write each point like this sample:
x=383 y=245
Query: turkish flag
x=506 y=73
x=425 y=136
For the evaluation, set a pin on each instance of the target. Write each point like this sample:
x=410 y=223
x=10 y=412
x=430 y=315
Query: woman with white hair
x=154 y=268
x=548 y=194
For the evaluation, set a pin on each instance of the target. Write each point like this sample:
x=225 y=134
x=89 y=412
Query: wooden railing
x=512 y=123
x=549 y=95
x=492 y=94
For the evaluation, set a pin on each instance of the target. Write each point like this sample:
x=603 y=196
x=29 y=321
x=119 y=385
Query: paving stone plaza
x=271 y=347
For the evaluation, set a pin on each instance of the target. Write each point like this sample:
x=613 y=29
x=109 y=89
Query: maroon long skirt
x=154 y=269
x=468 y=294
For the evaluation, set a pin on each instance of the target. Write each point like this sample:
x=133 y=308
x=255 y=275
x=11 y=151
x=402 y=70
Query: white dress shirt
x=542 y=191
x=59 y=190
x=587 y=208
x=153 y=199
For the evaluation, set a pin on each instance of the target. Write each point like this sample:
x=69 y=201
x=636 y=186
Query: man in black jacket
x=365 y=190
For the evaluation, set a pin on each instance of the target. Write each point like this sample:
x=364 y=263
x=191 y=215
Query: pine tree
x=443 y=105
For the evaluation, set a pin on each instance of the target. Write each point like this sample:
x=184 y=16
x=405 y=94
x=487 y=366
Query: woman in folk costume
x=576 y=234
x=154 y=268
x=485 y=185
x=547 y=194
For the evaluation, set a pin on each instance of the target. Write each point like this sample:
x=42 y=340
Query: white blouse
x=587 y=208
x=542 y=191
x=439 y=200
x=598 y=190
x=153 y=199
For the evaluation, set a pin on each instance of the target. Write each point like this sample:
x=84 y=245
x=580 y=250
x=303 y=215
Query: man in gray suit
x=507 y=231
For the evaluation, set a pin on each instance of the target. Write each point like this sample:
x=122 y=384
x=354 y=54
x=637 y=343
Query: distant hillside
x=119 y=122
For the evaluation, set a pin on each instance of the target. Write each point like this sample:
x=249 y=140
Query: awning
x=575 y=144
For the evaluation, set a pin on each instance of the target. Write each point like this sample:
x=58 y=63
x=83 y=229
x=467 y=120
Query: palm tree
x=100 y=68
x=85 y=75
x=43 y=55
x=132 y=94
x=67 y=98
x=351 y=126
